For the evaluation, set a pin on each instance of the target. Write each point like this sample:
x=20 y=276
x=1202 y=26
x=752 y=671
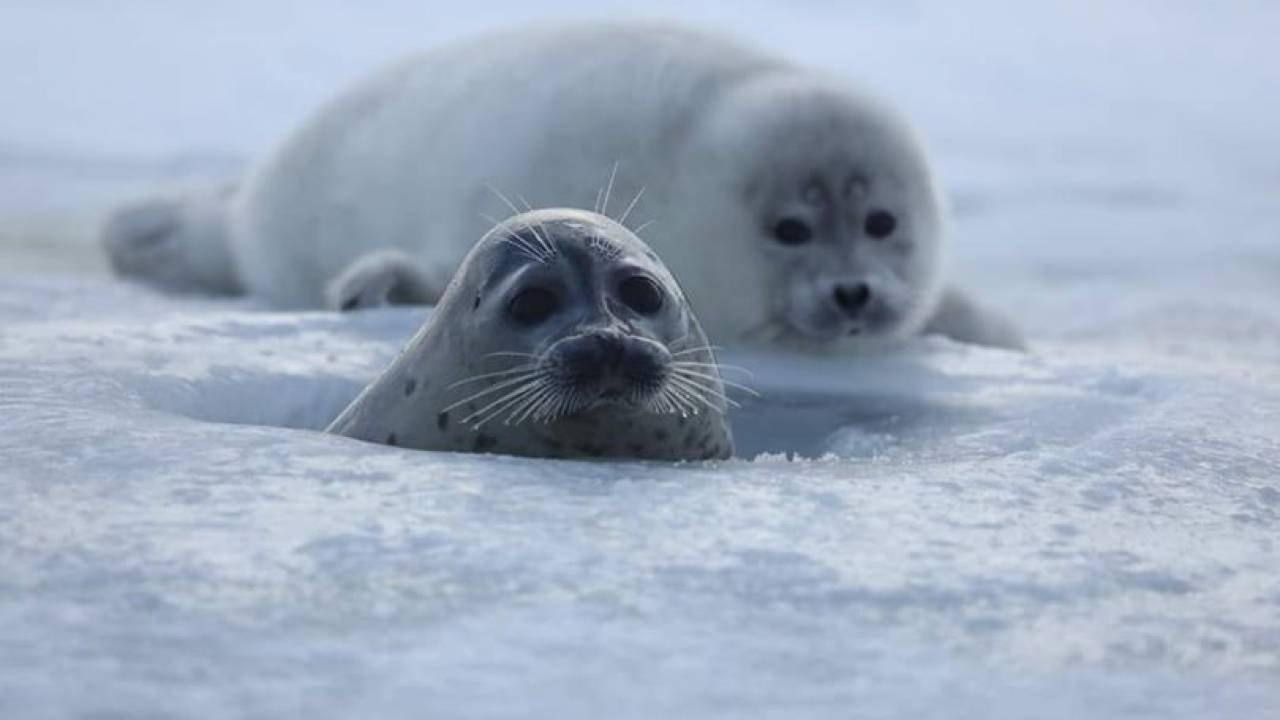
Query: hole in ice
x=300 y=370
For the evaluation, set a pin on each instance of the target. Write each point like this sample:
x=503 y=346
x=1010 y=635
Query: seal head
x=561 y=335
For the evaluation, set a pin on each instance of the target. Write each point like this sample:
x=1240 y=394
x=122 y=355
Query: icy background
x=1088 y=530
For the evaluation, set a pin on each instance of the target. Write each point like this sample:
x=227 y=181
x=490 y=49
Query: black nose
x=608 y=358
x=852 y=297
x=590 y=357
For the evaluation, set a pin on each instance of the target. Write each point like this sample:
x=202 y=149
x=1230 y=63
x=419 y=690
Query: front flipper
x=385 y=277
x=960 y=318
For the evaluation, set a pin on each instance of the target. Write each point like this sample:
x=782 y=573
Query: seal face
x=845 y=216
x=561 y=335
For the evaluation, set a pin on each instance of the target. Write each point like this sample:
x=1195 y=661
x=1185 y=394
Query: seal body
x=794 y=209
x=561 y=335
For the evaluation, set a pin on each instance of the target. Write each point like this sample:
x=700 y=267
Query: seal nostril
x=852 y=298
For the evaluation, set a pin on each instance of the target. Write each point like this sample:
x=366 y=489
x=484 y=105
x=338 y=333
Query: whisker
x=694 y=392
x=702 y=391
x=714 y=378
x=550 y=250
x=520 y=414
x=670 y=401
x=622 y=220
x=492 y=389
x=701 y=348
x=506 y=200
x=532 y=251
x=501 y=404
x=684 y=399
x=608 y=189
x=640 y=228
x=716 y=365
x=500 y=373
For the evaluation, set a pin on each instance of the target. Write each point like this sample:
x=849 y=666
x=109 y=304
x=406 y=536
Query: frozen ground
x=1088 y=530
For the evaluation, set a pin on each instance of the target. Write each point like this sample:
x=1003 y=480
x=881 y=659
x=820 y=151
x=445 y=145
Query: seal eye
x=641 y=294
x=880 y=224
x=533 y=305
x=790 y=231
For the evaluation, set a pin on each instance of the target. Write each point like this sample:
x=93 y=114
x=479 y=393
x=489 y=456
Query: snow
x=1086 y=530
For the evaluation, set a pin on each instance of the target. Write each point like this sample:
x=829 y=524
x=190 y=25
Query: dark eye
x=790 y=231
x=880 y=224
x=533 y=305
x=641 y=294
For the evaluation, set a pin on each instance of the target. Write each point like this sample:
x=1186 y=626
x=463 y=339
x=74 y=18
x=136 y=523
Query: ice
x=928 y=531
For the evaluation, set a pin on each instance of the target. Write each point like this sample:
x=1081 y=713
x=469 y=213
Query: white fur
x=711 y=130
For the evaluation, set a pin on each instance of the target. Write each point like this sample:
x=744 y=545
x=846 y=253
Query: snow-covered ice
x=1086 y=530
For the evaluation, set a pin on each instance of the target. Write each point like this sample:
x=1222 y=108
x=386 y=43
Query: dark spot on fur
x=484 y=443
x=410 y=385
x=442 y=420
x=589 y=450
x=660 y=435
x=475 y=304
x=637 y=449
x=391 y=439
x=681 y=420
x=350 y=303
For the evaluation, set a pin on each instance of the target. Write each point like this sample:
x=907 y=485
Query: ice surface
x=935 y=531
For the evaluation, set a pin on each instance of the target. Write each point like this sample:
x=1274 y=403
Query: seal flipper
x=960 y=318
x=178 y=244
x=385 y=277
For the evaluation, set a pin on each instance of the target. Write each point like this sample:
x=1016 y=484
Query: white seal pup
x=794 y=209
x=561 y=335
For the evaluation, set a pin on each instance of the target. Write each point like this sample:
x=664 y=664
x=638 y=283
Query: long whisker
x=713 y=378
x=483 y=415
x=500 y=373
x=506 y=200
x=680 y=401
x=608 y=189
x=640 y=228
x=493 y=389
x=622 y=219
x=703 y=391
x=533 y=249
x=695 y=392
x=700 y=348
x=515 y=416
x=550 y=250
x=716 y=365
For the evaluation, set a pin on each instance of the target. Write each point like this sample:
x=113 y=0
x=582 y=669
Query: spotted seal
x=561 y=335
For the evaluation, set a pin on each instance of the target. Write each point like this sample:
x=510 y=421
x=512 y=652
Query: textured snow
x=1085 y=530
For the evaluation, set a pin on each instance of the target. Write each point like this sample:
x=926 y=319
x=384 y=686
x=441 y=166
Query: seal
x=563 y=335
x=796 y=209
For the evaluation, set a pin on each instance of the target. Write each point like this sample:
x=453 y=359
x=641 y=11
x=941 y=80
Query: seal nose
x=611 y=360
x=590 y=358
x=852 y=297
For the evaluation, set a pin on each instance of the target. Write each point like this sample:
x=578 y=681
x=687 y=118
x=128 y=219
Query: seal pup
x=796 y=210
x=561 y=335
